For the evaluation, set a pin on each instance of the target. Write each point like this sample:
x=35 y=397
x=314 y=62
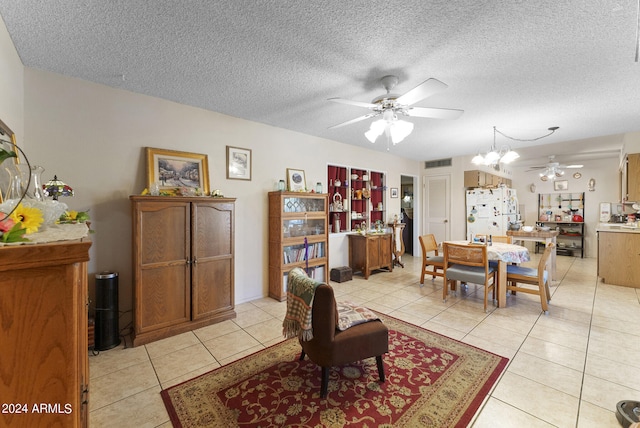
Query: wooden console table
x=370 y=252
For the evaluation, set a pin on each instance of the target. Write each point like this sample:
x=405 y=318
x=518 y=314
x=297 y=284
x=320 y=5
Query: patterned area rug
x=431 y=381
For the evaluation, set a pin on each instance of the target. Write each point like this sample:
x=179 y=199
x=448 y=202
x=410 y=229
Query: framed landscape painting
x=174 y=169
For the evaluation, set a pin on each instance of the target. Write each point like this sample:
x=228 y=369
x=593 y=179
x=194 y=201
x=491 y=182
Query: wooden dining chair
x=468 y=263
x=429 y=245
x=532 y=280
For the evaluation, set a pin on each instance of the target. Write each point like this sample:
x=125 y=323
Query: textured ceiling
x=521 y=66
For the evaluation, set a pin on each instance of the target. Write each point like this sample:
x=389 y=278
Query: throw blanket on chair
x=300 y=292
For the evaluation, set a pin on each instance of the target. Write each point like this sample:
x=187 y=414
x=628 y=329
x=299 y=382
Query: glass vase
x=35 y=190
x=18 y=180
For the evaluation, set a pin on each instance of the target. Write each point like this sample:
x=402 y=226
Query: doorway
x=409 y=215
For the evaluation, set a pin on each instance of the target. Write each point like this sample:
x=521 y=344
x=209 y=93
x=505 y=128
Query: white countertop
x=618 y=227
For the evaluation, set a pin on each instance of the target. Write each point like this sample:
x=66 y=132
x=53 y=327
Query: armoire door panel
x=212 y=234
x=165 y=232
x=212 y=287
x=163 y=301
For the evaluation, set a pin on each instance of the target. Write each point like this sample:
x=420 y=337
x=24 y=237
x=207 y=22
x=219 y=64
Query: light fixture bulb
x=491 y=158
x=389 y=115
x=375 y=130
x=509 y=157
x=477 y=159
x=399 y=130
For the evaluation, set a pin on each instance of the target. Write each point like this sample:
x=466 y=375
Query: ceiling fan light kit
x=553 y=170
x=389 y=106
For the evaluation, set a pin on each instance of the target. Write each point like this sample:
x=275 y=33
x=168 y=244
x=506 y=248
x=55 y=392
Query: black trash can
x=107 y=332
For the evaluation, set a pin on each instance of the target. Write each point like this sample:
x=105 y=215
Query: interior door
x=437 y=197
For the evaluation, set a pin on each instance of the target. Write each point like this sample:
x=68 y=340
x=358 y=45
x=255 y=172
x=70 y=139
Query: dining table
x=504 y=254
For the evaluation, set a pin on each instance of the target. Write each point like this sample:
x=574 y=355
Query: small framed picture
x=560 y=185
x=172 y=169
x=238 y=163
x=394 y=192
x=296 y=181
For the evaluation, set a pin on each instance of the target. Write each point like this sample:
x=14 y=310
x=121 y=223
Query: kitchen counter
x=619 y=254
x=618 y=227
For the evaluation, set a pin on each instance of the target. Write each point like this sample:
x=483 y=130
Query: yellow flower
x=31 y=218
x=72 y=215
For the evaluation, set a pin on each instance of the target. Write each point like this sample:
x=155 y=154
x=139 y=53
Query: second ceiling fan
x=552 y=169
x=390 y=106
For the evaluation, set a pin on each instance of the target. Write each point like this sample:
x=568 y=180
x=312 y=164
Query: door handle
x=446 y=221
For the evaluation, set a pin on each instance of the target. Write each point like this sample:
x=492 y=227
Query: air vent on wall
x=437 y=163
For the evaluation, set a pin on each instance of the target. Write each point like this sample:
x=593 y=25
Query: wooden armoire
x=183 y=264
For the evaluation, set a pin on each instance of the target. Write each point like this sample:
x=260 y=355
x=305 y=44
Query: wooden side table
x=370 y=252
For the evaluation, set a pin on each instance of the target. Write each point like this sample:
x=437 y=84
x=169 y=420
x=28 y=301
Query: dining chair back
x=430 y=257
x=468 y=263
x=532 y=280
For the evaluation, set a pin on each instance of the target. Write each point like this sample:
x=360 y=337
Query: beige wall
x=11 y=84
x=93 y=138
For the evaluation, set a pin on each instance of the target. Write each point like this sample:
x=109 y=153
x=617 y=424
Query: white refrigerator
x=489 y=211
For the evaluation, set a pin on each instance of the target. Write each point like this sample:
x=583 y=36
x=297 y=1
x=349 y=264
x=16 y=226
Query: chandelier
x=395 y=129
x=495 y=156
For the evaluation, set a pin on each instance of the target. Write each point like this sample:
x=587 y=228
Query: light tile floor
x=567 y=369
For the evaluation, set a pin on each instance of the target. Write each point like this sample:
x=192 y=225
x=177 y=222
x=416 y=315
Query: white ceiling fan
x=390 y=106
x=552 y=169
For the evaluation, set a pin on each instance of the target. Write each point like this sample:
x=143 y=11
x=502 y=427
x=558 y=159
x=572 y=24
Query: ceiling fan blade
x=357 y=119
x=425 y=89
x=434 y=113
x=352 y=103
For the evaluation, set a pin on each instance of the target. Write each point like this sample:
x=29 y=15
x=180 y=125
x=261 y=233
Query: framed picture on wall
x=560 y=185
x=172 y=169
x=394 y=192
x=238 y=163
x=296 y=181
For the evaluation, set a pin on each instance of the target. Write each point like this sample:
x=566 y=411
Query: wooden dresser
x=44 y=369
x=370 y=252
x=183 y=264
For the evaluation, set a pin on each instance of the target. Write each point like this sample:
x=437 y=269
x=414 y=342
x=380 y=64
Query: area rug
x=431 y=381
